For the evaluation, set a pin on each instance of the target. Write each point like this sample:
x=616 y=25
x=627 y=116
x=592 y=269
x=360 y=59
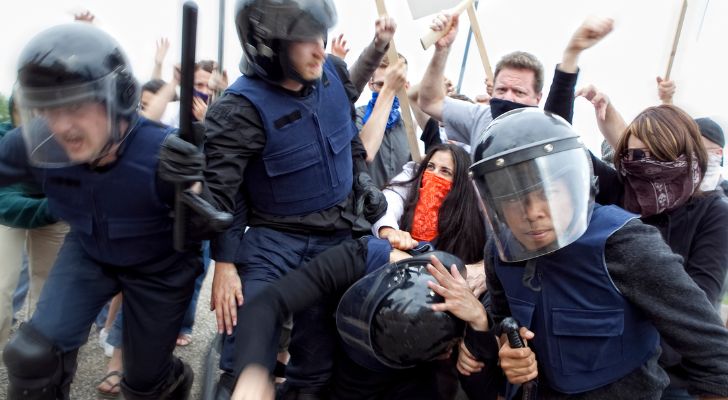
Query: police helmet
x=535 y=180
x=386 y=317
x=266 y=27
x=66 y=66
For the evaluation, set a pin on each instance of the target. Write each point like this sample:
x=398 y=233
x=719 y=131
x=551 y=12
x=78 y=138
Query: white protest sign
x=423 y=8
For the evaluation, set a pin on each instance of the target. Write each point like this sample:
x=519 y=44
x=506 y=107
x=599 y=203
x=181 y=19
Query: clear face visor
x=68 y=125
x=540 y=205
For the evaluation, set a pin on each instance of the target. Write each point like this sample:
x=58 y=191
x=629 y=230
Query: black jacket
x=697 y=231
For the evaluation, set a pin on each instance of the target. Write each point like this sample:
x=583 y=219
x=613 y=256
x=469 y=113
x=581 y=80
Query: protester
x=518 y=82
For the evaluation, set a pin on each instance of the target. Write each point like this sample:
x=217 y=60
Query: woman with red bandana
x=660 y=162
x=444 y=211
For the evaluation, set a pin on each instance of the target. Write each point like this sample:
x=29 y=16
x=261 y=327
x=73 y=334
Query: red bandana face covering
x=655 y=186
x=432 y=193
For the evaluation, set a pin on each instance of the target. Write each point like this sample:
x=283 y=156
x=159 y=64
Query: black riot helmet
x=64 y=68
x=386 y=318
x=535 y=180
x=266 y=28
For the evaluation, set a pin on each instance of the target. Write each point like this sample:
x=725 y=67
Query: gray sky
x=624 y=65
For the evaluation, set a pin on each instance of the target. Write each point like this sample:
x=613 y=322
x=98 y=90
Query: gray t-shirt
x=465 y=122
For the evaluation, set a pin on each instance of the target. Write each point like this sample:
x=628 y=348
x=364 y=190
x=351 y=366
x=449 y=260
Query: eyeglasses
x=636 y=154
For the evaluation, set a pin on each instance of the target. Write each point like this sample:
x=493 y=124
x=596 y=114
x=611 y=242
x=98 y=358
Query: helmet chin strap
x=115 y=138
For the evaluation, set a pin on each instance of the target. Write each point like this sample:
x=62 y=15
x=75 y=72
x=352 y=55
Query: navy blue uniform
x=286 y=159
x=120 y=240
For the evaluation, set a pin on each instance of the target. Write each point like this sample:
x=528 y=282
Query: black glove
x=368 y=199
x=180 y=161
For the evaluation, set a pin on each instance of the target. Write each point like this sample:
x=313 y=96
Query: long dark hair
x=460 y=225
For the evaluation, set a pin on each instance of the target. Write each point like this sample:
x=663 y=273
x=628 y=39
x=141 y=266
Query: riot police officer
x=97 y=160
x=593 y=287
x=283 y=153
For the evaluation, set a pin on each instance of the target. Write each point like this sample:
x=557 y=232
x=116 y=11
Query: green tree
x=4 y=112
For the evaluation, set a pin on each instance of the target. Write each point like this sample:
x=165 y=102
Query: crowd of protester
x=344 y=267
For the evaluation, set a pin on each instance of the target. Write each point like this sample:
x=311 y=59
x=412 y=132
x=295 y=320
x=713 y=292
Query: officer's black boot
x=178 y=387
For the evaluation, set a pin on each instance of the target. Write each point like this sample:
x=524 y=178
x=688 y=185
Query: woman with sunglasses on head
x=660 y=161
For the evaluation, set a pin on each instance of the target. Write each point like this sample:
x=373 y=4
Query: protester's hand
x=227 y=296
x=339 y=46
x=467 y=363
x=180 y=161
x=199 y=108
x=476 y=278
x=161 y=52
x=519 y=364
x=599 y=100
x=665 y=90
x=384 y=28
x=398 y=239
x=85 y=16
x=459 y=299
x=589 y=33
x=448 y=86
x=445 y=22
x=254 y=384
x=489 y=86
x=395 y=77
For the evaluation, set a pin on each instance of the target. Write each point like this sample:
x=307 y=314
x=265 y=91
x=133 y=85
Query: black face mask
x=499 y=107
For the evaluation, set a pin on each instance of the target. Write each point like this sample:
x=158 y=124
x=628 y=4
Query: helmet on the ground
x=67 y=66
x=266 y=27
x=386 y=318
x=535 y=180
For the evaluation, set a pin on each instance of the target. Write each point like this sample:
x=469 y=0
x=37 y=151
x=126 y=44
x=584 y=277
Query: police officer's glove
x=180 y=161
x=369 y=200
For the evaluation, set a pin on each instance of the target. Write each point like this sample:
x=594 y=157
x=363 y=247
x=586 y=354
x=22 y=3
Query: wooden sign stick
x=475 y=27
x=676 y=39
x=404 y=102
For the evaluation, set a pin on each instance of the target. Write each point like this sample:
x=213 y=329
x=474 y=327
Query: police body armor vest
x=587 y=334
x=306 y=164
x=116 y=214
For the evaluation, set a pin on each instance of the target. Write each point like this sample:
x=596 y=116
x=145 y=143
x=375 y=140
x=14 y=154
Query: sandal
x=110 y=394
x=184 y=339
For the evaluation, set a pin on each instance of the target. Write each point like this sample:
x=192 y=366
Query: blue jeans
x=23 y=285
x=263 y=257
x=189 y=321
